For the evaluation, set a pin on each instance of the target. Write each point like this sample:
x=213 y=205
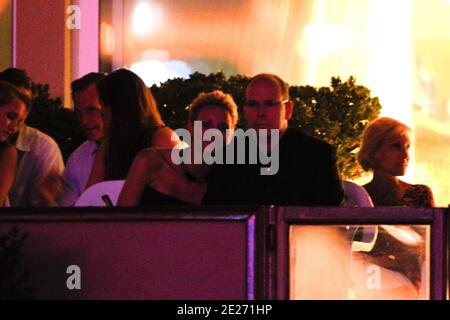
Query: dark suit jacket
x=307 y=176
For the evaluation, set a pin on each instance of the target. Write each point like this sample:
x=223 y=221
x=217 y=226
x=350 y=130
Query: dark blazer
x=307 y=176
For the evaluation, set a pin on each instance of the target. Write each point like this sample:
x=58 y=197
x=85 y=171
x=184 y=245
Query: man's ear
x=289 y=108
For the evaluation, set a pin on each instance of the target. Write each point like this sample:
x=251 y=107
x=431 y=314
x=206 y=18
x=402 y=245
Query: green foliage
x=174 y=96
x=337 y=114
x=13 y=278
x=49 y=116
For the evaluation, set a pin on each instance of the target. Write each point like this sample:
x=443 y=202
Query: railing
x=215 y=252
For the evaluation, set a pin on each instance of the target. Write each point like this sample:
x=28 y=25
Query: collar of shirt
x=24 y=139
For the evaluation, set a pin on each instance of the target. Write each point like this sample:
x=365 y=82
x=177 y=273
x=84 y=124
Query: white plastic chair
x=357 y=196
x=94 y=196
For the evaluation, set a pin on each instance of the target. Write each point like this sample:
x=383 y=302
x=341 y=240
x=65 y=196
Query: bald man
x=307 y=174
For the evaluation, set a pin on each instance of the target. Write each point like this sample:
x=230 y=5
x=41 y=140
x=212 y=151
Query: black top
x=307 y=176
x=152 y=197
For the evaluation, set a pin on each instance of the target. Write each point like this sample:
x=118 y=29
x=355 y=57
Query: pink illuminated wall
x=85 y=51
x=49 y=51
x=39 y=28
x=137 y=260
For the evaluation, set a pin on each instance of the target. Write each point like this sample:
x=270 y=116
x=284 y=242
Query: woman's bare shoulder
x=153 y=158
x=165 y=137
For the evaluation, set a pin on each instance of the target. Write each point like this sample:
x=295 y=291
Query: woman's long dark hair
x=134 y=118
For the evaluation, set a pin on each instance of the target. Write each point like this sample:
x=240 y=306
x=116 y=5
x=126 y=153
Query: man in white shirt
x=79 y=165
x=40 y=163
x=39 y=168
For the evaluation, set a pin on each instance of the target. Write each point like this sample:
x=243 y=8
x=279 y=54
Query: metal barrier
x=188 y=253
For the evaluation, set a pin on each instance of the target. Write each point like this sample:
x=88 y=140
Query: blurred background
x=398 y=49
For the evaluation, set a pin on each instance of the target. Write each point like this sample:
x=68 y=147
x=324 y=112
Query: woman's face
x=12 y=116
x=393 y=156
x=213 y=117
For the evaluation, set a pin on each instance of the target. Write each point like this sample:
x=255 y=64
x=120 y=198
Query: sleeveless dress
x=152 y=197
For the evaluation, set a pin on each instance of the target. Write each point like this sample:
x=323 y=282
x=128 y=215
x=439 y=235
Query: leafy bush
x=13 y=278
x=49 y=116
x=337 y=114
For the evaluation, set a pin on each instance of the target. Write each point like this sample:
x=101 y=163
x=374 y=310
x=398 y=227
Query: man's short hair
x=8 y=92
x=375 y=134
x=85 y=81
x=284 y=86
x=215 y=98
x=17 y=77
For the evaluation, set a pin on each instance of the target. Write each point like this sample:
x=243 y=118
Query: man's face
x=88 y=110
x=265 y=106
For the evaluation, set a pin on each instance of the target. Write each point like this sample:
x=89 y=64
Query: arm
x=77 y=171
x=165 y=138
x=138 y=177
x=8 y=163
x=70 y=192
x=98 y=169
x=49 y=180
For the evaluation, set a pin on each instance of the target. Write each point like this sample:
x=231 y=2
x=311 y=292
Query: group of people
x=128 y=140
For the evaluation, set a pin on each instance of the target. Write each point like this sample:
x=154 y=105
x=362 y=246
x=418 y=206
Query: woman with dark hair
x=13 y=110
x=132 y=122
x=156 y=179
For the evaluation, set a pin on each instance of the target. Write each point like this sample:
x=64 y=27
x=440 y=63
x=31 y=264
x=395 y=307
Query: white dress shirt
x=78 y=168
x=39 y=155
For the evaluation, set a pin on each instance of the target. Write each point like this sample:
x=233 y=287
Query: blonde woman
x=385 y=151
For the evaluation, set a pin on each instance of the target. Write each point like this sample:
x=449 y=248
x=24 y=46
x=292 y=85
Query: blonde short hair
x=375 y=134
x=214 y=98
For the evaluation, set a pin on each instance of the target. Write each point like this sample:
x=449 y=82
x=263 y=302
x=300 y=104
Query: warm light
x=403 y=234
x=107 y=39
x=318 y=39
x=156 y=72
x=147 y=18
x=390 y=62
x=3 y=4
x=390 y=57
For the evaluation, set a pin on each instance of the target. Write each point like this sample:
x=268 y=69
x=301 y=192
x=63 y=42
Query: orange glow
x=107 y=39
x=3 y=4
x=398 y=49
x=323 y=266
x=147 y=18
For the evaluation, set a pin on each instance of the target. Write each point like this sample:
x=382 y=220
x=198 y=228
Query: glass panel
x=359 y=262
x=305 y=42
x=6 y=34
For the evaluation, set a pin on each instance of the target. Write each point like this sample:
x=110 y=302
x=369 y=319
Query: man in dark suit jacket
x=307 y=173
